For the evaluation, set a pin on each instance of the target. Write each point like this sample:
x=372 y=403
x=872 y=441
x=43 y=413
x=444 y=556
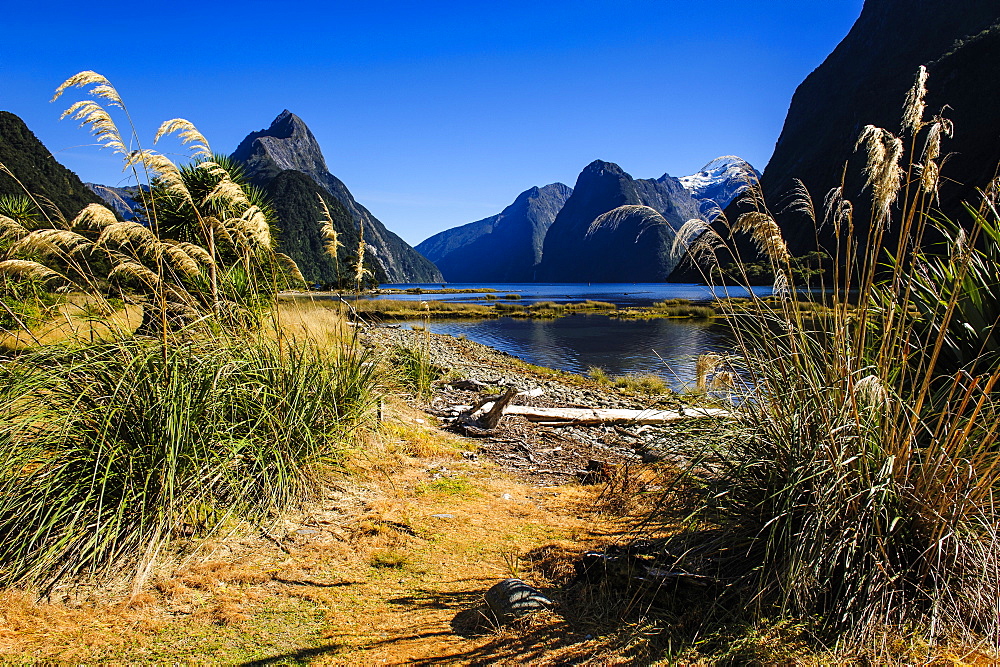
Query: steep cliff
x=864 y=81
x=27 y=158
x=288 y=144
x=502 y=248
x=126 y=202
x=295 y=197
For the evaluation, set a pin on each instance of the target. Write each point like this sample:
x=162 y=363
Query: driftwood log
x=496 y=411
x=589 y=416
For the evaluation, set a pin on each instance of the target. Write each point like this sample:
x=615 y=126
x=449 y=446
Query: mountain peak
x=288 y=141
x=718 y=183
x=601 y=167
x=285 y=126
x=288 y=145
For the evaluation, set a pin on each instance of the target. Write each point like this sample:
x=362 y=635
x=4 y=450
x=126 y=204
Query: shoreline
x=474 y=372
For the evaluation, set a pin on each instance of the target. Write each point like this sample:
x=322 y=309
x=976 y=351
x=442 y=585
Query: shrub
x=112 y=449
x=859 y=491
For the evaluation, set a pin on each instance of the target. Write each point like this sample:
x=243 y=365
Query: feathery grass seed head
x=197 y=253
x=869 y=391
x=800 y=201
x=765 y=233
x=837 y=211
x=93 y=115
x=930 y=171
x=28 y=269
x=129 y=233
x=914 y=106
x=11 y=229
x=179 y=260
x=51 y=242
x=94 y=216
x=289 y=267
x=188 y=134
x=331 y=241
x=103 y=87
x=883 y=174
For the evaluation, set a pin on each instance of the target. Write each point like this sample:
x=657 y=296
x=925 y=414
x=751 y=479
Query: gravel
x=540 y=454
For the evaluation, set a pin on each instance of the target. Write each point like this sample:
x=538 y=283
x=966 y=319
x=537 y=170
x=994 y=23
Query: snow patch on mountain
x=720 y=181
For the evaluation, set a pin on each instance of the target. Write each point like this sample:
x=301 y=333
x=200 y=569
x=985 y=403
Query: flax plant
x=859 y=491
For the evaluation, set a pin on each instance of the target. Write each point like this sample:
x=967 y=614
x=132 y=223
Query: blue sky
x=434 y=113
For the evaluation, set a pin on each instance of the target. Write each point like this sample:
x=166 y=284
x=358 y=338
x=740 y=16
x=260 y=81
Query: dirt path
x=386 y=569
x=390 y=565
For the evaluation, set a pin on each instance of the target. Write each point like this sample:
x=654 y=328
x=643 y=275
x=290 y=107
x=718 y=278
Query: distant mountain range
x=125 y=202
x=609 y=228
x=504 y=247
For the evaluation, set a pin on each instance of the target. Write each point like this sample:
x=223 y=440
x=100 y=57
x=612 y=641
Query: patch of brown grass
x=71 y=323
x=304 y=319
x=62 y=632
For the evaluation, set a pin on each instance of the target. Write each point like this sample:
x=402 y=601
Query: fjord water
x=620 y=294
x=668 y=347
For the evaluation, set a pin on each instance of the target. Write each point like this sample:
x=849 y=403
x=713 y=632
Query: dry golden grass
x=78 y=320
x=305 y=319
x=372 y=571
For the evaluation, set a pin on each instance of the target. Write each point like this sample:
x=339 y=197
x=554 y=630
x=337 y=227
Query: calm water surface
x=620 y=294
x=666 y=347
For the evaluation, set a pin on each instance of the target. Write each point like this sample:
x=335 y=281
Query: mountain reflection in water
x=666 y=347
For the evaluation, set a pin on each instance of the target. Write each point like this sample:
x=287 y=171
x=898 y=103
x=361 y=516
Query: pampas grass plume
x=125 y=233
x=11 y=229
x=94 y=216
x=289 y=266
x=28 y=269
x=51 y=242
x=92 y=114
x=914 y=106
x=188 y=134
x=765 y=233
x=883 y=173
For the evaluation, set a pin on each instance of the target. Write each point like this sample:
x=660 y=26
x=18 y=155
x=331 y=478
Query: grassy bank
x=387 y=309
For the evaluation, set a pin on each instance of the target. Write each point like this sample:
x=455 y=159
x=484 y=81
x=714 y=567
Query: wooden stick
x=593 y=416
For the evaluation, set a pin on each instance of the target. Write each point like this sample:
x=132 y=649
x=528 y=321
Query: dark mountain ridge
x=864 y=81
x=288 y=144
x=502 y=248
x=35 y=167
x=615 y=228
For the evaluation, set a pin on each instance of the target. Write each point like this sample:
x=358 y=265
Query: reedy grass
x=641 y=383
x=858 y=491
x=414 y=367
x=111 y=450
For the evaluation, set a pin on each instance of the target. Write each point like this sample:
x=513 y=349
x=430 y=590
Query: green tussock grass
x=648 y=384
x=855 y=498
x=670 y=308
x=113 y=449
